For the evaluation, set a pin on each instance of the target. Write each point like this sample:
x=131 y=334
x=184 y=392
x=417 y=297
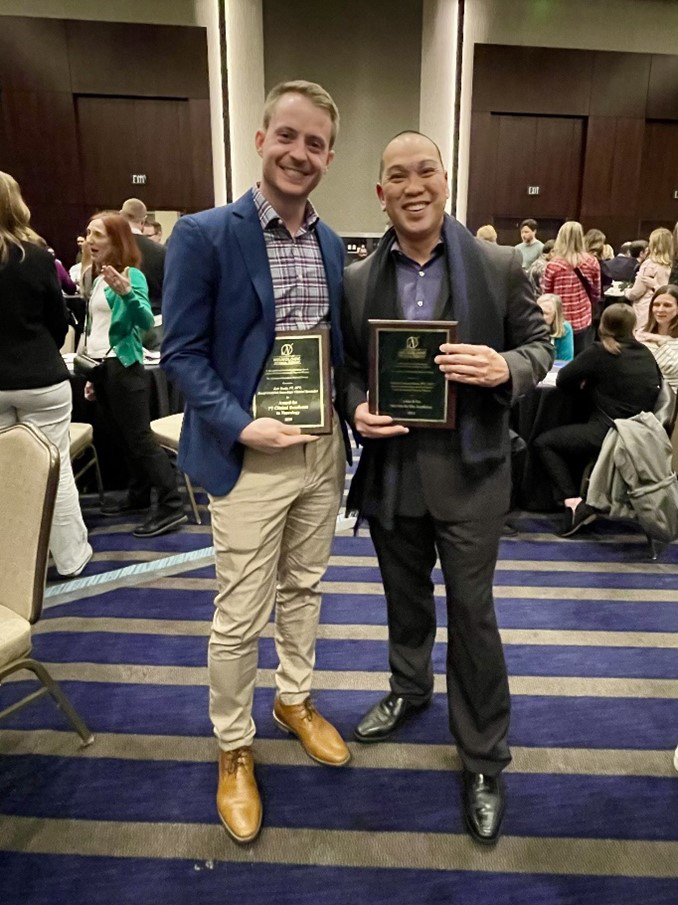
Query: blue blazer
x=218 y=313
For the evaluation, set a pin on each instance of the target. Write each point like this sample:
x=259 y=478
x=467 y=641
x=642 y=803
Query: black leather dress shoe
x=161 y=524
x=484 y=805
x=385 y=717
x=123 y=507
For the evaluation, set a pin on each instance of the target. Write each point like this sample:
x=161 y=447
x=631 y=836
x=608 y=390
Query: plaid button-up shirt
x=302 y=299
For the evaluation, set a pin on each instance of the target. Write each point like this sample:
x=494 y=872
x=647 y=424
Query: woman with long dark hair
x=34 y=381
x=118 y=314
x=661 y=332
x=621 y=378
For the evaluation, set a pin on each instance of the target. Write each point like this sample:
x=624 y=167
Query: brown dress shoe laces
x=239 y=757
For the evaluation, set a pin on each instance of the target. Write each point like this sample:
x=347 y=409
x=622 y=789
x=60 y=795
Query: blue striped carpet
x=592 y=651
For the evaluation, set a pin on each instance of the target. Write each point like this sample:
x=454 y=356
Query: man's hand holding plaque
x=475 y=365
x=270 y=436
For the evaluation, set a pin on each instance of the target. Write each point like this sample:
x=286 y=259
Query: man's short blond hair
x=135 y=210
x=316 y=95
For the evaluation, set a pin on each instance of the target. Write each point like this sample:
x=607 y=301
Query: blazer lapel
x=334 y=276
x=250 y=237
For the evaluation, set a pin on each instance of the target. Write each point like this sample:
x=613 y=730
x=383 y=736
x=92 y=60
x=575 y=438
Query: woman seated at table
x=661 y=332
x=119 y=312
x=559 y=328
x=621 y=377
x=652 y=273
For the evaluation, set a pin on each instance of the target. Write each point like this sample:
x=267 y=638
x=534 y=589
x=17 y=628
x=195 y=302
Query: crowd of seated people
x=622 y=379
x=618 y=361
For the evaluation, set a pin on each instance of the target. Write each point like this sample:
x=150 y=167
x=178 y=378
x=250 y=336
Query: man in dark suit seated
x=623 y=266
x=442 y=492
x=152 y=264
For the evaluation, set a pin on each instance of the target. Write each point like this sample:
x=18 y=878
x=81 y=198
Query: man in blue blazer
x=235 y=277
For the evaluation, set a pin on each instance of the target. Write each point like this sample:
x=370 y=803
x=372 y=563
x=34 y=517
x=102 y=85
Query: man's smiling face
x=413 y=187
x=295 y=148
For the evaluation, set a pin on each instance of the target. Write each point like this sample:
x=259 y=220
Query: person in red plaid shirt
x=574 y=275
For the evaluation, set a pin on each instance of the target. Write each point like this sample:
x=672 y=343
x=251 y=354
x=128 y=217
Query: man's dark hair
x=548 y=246
x=531 y=224
x=637 y=247
x=625 y=248
x=410 y=132
x=157 y=227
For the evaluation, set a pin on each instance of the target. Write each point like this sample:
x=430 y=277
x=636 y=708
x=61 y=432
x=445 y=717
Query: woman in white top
x=661 y=332
x=653 y=273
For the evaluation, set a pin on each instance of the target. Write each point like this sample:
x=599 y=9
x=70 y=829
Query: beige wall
x=639 y=26
x=245 y=55
x=438 y=74
x=159 y=12
x=367 y=55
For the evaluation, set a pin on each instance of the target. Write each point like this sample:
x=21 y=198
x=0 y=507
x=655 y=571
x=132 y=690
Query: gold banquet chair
x=167 y=432
x=29 y=465
x=81 y=437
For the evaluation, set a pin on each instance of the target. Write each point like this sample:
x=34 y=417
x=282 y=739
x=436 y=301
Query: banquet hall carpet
x=592 y=651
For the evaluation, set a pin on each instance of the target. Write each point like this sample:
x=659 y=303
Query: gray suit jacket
x=434 y=465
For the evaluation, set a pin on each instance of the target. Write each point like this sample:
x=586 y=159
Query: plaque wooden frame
x=448 y=334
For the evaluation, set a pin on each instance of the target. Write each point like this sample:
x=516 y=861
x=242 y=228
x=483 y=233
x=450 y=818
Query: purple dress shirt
x=419 y=285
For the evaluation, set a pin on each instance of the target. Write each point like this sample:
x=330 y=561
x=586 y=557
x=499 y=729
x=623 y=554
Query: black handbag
x=86 y=367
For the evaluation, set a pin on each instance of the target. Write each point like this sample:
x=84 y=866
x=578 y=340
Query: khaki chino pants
x=272 y=538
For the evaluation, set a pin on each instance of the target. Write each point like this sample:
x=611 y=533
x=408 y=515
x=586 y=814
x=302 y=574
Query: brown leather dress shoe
x=319 y=739
x=238 y=800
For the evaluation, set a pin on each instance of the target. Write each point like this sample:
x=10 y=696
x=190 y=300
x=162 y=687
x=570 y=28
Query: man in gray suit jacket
x=446 y=492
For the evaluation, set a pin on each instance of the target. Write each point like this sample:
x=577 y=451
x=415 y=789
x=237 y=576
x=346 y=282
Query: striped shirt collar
x=268 y=216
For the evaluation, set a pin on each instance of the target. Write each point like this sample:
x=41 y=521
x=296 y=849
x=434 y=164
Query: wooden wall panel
x=516 y=143
x=50 y=67
x=199 y=144
x=119 y=58
x=662 y=96
x=107 y=137
x=541 y=151
x=514 y=79
x=558 y=159
x=164 y=157
x=626 y=167
x=628 y=164
x=59 y=224
x=44 y=151
x=33 y=54
x=659 y=178
x=482 y=174
x=619 y=85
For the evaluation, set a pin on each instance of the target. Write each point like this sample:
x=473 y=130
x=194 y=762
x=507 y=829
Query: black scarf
x=481 y=422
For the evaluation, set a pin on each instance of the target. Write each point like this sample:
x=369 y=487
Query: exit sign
x=533 y=190
x=139 y=179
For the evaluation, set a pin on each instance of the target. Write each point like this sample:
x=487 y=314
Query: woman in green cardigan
x=119 y=313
